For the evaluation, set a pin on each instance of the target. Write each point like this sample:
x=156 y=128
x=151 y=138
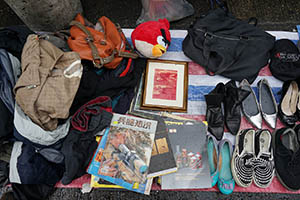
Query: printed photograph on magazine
x=124 y=152
x=188 y=140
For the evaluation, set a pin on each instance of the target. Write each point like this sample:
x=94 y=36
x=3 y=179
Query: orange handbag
x=104 y=44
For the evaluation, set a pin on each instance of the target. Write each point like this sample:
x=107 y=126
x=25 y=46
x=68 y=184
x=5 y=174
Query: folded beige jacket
x=49 y=81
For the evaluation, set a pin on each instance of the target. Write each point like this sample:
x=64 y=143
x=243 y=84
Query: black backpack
x=227 y=46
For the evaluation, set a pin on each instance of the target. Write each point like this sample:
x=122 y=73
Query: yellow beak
x=158 y=50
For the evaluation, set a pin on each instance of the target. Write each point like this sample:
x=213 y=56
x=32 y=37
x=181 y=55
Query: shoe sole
x=277 y=175
x=236 y=179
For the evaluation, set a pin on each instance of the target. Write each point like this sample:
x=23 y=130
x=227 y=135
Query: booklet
x=188 y=141
x=162 y=159
x=97 y=182
x=123 y=154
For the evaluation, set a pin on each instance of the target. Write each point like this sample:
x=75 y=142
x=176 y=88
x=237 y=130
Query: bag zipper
x=206 y=34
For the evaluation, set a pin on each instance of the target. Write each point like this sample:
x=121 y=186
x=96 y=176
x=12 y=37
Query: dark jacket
x=13 y=38
x=80 y=144
x=108 y=83
x=27 y=166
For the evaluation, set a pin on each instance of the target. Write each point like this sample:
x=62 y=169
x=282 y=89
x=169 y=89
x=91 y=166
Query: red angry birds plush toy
x=152 y=38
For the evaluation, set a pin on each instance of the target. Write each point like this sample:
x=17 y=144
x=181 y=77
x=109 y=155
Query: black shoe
x=298 y=101
x=264 y=162
x=214 y=114
x=288 y=103
x=287 y=157
x=232 y=106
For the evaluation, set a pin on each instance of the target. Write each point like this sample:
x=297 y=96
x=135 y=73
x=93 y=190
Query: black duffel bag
x=227 y=46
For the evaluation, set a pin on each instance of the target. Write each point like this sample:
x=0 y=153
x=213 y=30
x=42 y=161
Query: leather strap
x=97 y=60
x=126 y=54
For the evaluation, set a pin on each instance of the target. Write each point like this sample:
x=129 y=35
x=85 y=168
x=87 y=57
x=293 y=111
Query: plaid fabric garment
x=49 y=81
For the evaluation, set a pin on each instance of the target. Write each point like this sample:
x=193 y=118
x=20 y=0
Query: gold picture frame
x=165 y=86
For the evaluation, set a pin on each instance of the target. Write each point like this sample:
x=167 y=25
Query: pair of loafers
x=289 y=106
x=230 y=97
x=266 y=108
x=252 y=159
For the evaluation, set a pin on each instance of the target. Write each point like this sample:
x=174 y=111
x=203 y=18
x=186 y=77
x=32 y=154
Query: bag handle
x=95 y=53
x=126 y=54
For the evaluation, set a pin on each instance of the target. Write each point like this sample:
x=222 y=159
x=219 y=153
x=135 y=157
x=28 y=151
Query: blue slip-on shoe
x=225 y=182
x=212 y=150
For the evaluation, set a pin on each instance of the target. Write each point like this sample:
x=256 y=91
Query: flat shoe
x=264 y=162
x=225 y=182
x=242 y=166
x=267 y=103
x=250 y=107
x=212 y=151
x=287 y=107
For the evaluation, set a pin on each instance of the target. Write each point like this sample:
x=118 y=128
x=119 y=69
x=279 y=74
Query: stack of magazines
x=135 y=150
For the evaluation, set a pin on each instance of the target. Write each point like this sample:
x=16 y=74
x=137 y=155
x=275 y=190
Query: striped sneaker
x=264 y=162
x=242 y=163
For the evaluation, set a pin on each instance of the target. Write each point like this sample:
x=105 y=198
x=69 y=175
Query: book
x=188 y=141
x=97 y=182
x=135 y=106
x=162 y=158
x=123 y=154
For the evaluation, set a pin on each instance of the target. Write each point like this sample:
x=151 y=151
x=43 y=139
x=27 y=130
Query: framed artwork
x=165 y=87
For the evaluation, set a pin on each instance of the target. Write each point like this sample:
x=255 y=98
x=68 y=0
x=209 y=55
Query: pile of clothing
x=53 y=103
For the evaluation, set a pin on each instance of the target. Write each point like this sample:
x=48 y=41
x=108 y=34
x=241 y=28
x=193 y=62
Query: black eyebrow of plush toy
x=163 y=33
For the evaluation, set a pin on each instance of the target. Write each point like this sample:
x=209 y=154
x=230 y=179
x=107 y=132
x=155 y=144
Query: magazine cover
x=162 y=159
x=124 y=152
x=188 y=141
